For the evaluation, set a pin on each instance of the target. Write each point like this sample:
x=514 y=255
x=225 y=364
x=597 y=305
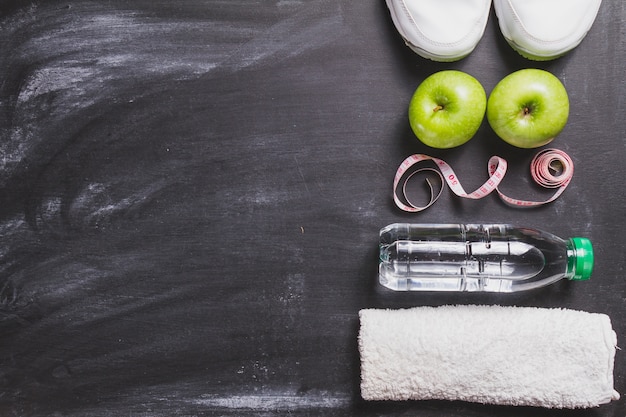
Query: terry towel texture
x=553 y=358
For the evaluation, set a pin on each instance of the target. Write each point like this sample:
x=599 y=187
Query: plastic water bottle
x=478 y=257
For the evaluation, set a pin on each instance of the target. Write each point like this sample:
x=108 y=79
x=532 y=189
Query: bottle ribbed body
x=472 y=257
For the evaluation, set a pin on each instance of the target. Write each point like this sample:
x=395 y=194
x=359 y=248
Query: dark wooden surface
x=191 y=191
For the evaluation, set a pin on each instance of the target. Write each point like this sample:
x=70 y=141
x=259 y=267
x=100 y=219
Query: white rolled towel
x=524 y=356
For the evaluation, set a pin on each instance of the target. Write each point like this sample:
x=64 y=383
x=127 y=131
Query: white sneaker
x=545 y=29
x=441 y=30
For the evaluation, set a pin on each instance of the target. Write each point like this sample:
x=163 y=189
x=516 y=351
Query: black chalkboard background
x=191 y=191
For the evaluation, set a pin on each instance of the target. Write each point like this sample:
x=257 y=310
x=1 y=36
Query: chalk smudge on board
x=276 y=402
x=113 y=156
x=82 y=57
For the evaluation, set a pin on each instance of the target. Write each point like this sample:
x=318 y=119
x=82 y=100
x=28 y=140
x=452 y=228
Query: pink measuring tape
x=541 y=169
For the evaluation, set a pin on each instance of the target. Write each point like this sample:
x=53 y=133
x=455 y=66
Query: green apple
x=447 y=109
x=528 y=108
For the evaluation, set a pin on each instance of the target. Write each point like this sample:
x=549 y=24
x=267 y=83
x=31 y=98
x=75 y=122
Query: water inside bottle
x=471 y=257
x=458 y=266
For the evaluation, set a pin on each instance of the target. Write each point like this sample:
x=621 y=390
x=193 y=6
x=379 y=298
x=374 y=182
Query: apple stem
x=526 y=111
x=437 y=108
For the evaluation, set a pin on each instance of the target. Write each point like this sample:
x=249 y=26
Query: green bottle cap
x=584 y=258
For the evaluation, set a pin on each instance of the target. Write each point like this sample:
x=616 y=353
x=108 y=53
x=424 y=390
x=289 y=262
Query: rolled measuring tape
x=550 y=168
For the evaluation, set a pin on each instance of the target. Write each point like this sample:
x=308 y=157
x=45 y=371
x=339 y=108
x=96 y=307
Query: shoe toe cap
x=442 y=29
x=545 y=29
